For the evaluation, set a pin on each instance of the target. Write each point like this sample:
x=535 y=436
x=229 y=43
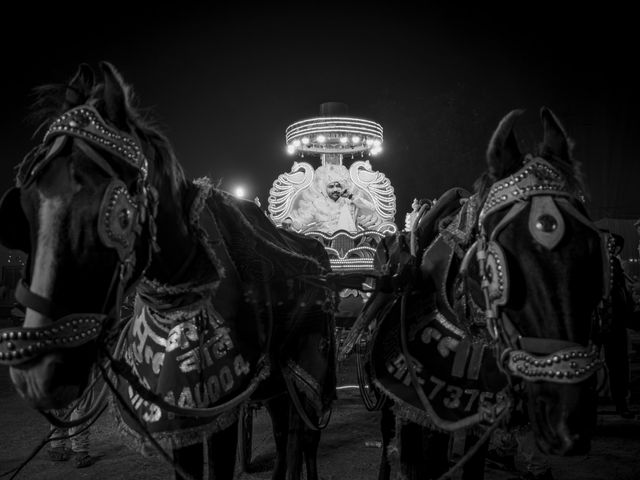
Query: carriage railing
x=349 y=252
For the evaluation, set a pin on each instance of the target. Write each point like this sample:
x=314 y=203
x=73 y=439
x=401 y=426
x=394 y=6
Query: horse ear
x=555 y=141
x=115 y=95
x=80 y=86
x=503 y=154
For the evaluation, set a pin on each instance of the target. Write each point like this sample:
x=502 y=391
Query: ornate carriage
x=330 y=140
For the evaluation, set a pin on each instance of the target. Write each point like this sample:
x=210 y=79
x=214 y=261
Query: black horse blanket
x=455 y=367
x=181 y=346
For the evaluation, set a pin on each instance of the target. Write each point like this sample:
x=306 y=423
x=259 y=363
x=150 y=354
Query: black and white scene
x=320 y=241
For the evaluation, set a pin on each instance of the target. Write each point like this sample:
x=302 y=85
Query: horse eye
x=124 y=217
x=546 y=223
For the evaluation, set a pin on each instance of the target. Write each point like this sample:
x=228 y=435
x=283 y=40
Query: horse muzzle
x=44 y=383
x=563 y=416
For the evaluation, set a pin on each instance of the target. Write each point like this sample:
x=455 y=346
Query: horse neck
x=177 y=245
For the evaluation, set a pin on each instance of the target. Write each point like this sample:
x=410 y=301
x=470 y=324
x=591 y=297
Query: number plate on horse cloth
x=187 y=367
x=456 y=373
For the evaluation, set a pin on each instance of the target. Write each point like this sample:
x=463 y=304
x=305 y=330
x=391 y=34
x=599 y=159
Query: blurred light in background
x=239 y=192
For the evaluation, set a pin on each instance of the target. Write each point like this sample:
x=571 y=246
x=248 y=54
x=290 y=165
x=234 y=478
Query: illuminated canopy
x=345 y=135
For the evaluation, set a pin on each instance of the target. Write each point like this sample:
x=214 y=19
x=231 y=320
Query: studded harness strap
x=123 y=217
x=533 y=359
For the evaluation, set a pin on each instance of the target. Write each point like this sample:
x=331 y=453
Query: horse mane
x=482 y=185
x=52 y=100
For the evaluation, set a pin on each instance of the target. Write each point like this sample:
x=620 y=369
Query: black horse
x=488 y=306
x=221 y=313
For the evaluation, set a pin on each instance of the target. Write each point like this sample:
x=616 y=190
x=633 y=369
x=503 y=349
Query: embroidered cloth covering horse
x=188 y=354
x=492 y=295
x=453 y=361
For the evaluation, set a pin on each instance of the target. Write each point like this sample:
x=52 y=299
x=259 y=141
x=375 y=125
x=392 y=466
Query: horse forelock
x=482 y=185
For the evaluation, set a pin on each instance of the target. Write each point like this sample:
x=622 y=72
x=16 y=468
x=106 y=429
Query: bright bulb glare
x=239 y=192
x=321 y=138
x=369 y=142
x=296 y=143
x=344 y=140
x=355 y=139
x=305 y=140
x=291 y=149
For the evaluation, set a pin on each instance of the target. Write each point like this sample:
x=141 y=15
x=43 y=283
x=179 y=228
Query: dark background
x=225 y=82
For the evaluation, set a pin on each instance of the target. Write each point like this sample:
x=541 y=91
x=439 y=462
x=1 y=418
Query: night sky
x=224 y=83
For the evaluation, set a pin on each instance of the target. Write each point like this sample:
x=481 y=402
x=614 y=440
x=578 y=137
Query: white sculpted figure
x=331 y=203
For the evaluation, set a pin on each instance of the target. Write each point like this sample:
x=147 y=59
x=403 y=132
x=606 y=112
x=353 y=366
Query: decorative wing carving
x=285 y=189
x=379 y=188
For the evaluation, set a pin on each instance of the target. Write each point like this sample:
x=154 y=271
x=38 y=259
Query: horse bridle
x=123 y=217
x=531 y=358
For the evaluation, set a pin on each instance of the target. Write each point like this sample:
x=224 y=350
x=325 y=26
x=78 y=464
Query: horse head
x=83 y=209
x=539 y=276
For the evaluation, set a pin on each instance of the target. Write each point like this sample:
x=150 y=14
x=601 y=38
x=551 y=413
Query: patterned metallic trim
x=537 y=177
x=459 y=232
x=572 y=365
x=85 y=122
x=20 y=345
x=448 y=325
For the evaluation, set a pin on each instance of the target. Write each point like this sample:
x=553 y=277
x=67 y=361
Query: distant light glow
x=296 y=143
x=369 y=141
x=344 y=140
x=355 y=139
x=305 y=140
x=239 y=192
x=321 y=139
x=291 y=149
